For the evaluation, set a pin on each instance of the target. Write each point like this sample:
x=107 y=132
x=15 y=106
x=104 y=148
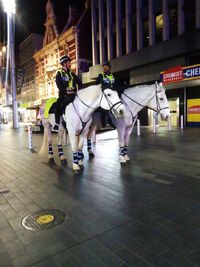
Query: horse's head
x=111 y=101
x=159 y=102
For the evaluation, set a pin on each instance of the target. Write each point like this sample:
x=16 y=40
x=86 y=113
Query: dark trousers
x=58 y=110
x=61 y=104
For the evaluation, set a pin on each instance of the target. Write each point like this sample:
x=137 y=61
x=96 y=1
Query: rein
x=157 y=102
x=84 y=123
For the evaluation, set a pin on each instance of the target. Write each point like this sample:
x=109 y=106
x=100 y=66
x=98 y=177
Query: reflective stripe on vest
x=70 y=78
x=108 y=78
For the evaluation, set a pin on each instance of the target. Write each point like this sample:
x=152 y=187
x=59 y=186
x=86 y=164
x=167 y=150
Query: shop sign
x=193 y=110
x=179 y=73
x=191 y=72
x=173 y=75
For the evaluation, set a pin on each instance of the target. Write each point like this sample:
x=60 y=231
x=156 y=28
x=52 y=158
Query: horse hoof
x=122 y=159
x=76 y=168
x=91 y=155
x=81 y=167
x=127 y=158
x=63 y=162
x=51 y=161
x=80 y=162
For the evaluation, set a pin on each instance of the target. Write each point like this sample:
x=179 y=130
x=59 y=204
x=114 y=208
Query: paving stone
x=5 y=260
x=178 y=260
x=8 y=234
x=144 y=214
x=15 y=249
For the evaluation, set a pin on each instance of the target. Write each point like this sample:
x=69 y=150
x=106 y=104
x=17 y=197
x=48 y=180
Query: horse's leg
x=92 y=131
x=128 y=132
x=121 y=134
x=60 y=148
x=82 y=138
x=74 y=145
x=80 y=151
x=47 y=131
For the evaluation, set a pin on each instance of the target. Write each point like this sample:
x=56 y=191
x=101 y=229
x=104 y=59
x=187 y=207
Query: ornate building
x=56 y=45
x=40 y=58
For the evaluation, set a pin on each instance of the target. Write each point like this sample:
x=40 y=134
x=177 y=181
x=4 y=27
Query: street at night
x=143 y=214
x=99 y=133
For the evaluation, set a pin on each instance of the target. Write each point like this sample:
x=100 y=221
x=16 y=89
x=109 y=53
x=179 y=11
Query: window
x=159 y=27
x=189 y=13
x=173 y=21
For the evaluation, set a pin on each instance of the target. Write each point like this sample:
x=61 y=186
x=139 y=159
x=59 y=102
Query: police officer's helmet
x=64 y=59
x=107 y=63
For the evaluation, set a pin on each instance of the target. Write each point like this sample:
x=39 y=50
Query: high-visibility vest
x=68 y=78
x=108 y=79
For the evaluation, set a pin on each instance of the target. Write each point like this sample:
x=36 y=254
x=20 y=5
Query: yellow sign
x=193 y=110
x=43 y=219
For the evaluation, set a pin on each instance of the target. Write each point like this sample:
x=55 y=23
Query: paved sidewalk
x=144 y=214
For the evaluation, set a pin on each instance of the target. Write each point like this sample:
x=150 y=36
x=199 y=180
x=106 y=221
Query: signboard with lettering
x=178 y=74
x=173 y=75
x=193 y=110
x=191 y=72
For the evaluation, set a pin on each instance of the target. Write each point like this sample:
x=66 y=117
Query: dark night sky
x=31 y=16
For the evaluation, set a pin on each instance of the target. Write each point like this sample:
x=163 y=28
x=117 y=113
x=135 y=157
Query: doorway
x=174 y=112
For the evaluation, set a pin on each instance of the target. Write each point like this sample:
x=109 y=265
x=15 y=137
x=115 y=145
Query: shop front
x=183 y=92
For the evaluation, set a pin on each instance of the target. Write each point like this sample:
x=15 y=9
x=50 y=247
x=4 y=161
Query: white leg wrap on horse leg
x=50 y=151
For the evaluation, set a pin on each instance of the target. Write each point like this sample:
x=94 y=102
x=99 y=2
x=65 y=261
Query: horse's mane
x=82 y=90
x=141 y=86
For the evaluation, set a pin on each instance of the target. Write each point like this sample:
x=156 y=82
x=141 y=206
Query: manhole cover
x=43 y=219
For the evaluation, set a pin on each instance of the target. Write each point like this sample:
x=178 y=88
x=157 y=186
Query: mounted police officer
x=107 y=80
x=68 y=84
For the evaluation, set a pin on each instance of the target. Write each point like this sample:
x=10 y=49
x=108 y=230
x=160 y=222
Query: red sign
x=194 y=109
x=173 y=75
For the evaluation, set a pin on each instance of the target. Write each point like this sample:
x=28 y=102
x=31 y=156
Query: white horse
x=78 y=117
x=135 y=99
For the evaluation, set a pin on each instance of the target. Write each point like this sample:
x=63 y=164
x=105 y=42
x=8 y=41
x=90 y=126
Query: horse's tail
x=43 y=151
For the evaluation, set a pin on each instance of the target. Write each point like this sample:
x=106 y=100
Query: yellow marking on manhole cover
x=43 y=219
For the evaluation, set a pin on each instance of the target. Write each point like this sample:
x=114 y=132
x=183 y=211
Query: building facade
x=143 y=38
x=25 y=76
x=38 y=71
x=5 y=87
x=55 y=45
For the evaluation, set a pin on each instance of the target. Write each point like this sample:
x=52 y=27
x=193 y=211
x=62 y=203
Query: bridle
x=158 y=109
x=110 y=104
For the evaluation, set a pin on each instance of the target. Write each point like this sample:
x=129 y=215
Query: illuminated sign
x=191 y=72
x=193 y=110
x=173 y=75
x=179 y=73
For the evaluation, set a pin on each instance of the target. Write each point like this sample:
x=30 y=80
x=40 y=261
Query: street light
x=9 y=8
